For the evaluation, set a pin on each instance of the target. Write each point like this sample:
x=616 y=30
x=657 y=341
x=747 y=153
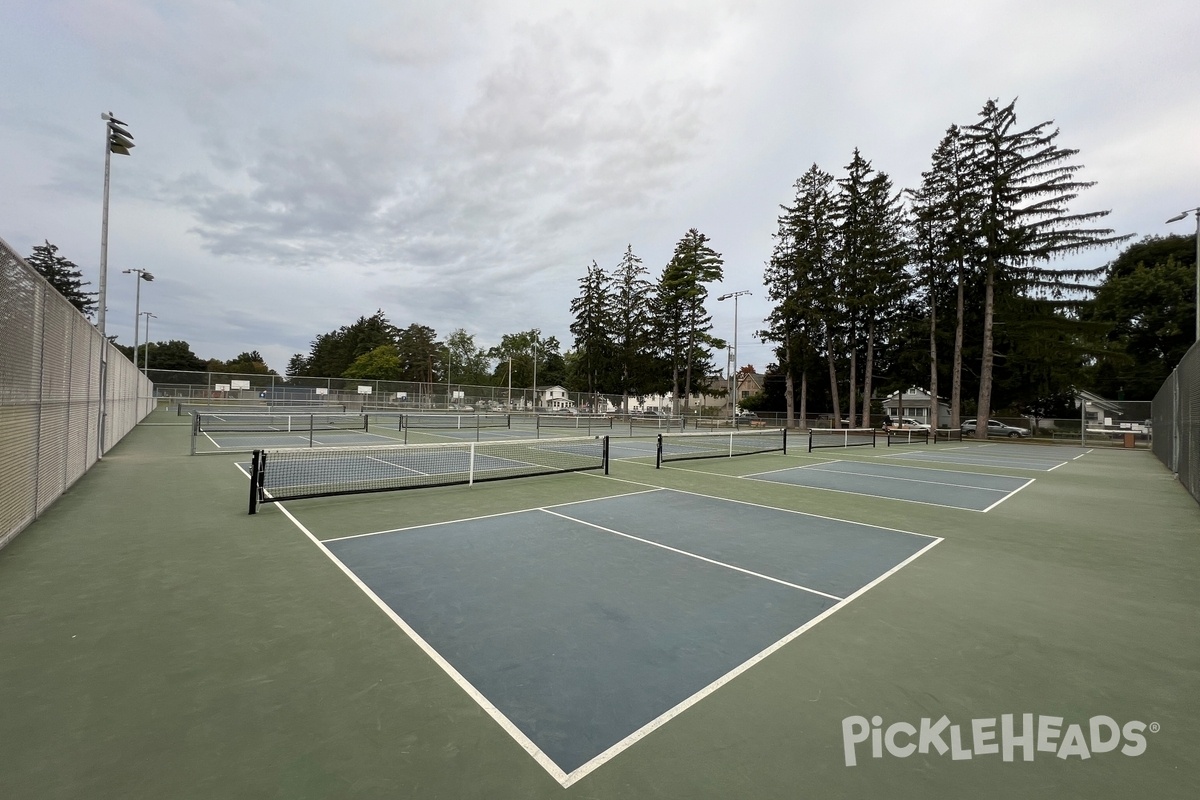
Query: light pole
x=143 y=275
x=146 y=348
x=116 y=140
x=1176 y=218
x=535 y=392
x=733 y=373
x=449 y=362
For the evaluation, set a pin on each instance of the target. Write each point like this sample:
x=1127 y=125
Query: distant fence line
x=51 y=361
x=1176 y=419
x=364 y=393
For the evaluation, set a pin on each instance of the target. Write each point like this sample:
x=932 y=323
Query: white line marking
x=695 y=556
x=670 y=714
x=490 y=516
x=1010 y=494
x=504 y=722
x=863 y=494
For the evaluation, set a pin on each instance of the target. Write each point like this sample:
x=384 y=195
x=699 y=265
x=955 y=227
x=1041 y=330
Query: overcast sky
x=460 y=164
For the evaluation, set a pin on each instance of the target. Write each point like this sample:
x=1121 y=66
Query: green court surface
x=156 y=641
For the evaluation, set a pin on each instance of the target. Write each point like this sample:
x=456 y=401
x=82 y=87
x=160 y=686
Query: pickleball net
x=455 y=421
x=908 y=436
x=292 y=474
x=840 y=437
x=688 y=446
x=276 y=423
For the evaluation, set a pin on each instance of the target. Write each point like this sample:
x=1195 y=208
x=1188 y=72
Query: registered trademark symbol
x=1155 y=727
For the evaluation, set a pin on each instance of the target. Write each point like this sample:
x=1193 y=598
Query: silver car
x=995 y=428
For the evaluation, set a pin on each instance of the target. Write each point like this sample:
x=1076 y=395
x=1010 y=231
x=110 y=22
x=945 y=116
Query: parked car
x=908 y=423
x=995 y=428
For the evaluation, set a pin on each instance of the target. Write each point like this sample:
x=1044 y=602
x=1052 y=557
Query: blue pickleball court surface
x=583 y=624
x=973 y=491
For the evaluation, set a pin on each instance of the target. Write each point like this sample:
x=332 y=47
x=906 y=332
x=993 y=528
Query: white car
x=910 y=424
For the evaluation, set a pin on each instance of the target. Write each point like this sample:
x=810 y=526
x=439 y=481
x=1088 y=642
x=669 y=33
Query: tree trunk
x=853 y=393
x=985 y=368
x=933 y=362
x=866 y=403
x=803 y=398
x=956 y=377
x=833 y=387
x=789 y=396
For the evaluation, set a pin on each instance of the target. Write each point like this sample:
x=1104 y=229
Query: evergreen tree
x=593 y=345
x=632 y=359
x=944 y=212
x=420 y=354
x=681 y=316
x=799 y=280
x=332 y=353
x=1025 y=182
x=64 y=276
x=873 y=259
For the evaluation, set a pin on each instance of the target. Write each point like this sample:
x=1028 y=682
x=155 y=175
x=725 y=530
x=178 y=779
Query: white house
x=915 y=403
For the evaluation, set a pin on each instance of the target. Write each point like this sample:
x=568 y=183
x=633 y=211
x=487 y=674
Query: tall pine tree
x=64 y=275
x=1025 y=182
x=682 y=319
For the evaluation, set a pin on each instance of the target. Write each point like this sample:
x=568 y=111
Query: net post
x=658 y=453
x=605 y=457
x=471 y=467
x=255 y=473
x=785 y=430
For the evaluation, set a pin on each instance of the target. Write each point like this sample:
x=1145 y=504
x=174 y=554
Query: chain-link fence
x=1176 y=421
x=354 y=394
x=53 y=424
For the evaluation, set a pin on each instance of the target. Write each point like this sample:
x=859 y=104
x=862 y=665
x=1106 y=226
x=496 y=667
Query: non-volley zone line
x=970 y=491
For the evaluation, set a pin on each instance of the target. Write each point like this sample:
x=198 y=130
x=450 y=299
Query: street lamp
x=146 y=349
x=1176 y=218
x=733 y=372
x=143 y=275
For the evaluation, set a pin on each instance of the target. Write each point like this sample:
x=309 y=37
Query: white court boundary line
x=564 y=778
x=696 y=556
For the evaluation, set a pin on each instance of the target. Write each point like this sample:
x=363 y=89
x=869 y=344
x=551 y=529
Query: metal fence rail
x=50 y=388
x=1176 y=422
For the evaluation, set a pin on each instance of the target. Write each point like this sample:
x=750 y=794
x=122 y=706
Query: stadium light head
x=1179 y=216
x=120 y=140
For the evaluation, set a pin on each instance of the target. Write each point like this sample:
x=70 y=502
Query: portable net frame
x=840 y=437
x=908 y=436
x=948 y=435
x=278 y=475
x=724 y=444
